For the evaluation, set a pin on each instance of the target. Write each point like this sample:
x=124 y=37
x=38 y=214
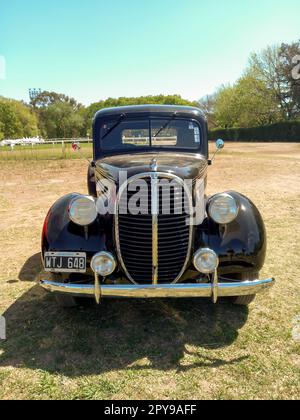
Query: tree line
x=268 y=92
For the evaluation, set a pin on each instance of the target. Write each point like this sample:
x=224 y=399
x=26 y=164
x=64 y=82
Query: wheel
x=245 y=300
x=64 y=301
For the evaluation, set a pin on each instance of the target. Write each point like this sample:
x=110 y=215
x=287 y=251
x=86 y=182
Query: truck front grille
x=154 y=249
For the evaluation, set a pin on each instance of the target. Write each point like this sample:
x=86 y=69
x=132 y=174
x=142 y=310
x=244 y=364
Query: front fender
x=240 y=245
x=60 y=234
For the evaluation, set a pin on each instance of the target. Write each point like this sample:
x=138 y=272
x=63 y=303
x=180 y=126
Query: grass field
x=45 y=152
x=165 y=349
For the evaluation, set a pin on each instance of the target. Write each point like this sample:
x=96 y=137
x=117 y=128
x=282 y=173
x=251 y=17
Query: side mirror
x=220 y=144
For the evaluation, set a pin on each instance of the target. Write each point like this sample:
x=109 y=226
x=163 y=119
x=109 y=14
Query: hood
x=185 y=166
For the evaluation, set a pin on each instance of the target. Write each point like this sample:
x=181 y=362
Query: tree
x=274 y=66
x=225 y=109
x=207 y=105
x=1 y=131
x=90 y=111
x=59 y=115
x=289 y=57
x=16 y=119
x=246 y=104
x=27 y=119
x=45 y=99
x=60 y=121
x=257 y=105
x=10 y=124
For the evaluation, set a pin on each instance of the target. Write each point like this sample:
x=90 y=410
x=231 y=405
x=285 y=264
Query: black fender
x=240 y=245
x=60 y=234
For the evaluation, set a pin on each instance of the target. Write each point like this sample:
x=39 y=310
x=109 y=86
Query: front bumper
x=207 y=290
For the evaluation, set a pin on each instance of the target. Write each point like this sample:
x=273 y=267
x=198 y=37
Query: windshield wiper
x=114 y=126
x=165 y=125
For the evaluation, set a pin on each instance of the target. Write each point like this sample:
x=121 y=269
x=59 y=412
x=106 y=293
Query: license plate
x=65 y=262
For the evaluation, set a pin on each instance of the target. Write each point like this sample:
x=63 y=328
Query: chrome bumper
x=214 y=291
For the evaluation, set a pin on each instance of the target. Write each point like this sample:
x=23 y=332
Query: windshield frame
x=100 y=152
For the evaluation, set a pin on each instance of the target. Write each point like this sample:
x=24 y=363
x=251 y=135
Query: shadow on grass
x=117 y=335
x=32 y=268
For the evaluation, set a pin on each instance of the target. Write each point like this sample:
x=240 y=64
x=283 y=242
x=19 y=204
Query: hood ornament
x=153 y=164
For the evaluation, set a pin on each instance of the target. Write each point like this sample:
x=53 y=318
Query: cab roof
x=151 y=110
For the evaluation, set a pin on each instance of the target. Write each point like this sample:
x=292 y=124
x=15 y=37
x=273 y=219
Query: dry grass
x=151 y=349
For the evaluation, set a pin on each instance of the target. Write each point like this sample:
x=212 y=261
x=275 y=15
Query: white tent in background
x=22 y=142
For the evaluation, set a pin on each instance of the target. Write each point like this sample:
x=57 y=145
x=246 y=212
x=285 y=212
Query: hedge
x=281 y=132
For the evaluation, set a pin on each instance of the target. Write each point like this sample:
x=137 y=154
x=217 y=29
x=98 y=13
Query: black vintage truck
x=146 y=228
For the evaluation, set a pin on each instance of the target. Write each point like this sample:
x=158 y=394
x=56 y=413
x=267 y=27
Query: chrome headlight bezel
x=228 y=208
x=74 y=210
x=100 y=270
x=199 y=262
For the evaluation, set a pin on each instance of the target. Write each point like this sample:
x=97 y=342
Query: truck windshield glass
x=158 y=133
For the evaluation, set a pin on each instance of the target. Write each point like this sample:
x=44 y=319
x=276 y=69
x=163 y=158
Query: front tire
x=245 y=300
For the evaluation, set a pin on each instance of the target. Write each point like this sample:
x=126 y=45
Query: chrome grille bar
x=154 y=212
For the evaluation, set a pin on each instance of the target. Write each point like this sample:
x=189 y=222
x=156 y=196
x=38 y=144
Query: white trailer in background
x=22 y=142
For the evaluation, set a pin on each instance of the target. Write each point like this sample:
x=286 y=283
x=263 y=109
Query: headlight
x=103 y=264
x=223 y=209
x=206 y=261
x=83 y=210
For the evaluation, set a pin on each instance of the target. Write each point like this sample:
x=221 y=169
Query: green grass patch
x=45 y=152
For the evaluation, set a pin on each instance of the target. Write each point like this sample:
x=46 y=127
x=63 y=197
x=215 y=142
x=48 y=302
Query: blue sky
x=94 y=49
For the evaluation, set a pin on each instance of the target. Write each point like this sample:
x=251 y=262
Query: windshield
x=158 y=133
